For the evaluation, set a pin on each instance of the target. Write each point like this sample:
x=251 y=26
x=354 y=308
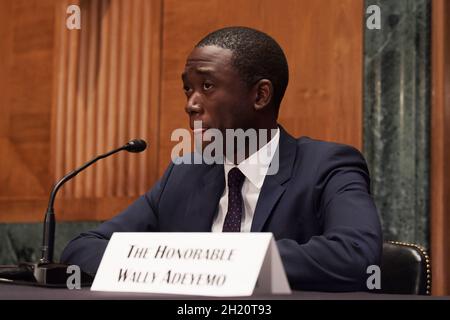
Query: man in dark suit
x=316 y=201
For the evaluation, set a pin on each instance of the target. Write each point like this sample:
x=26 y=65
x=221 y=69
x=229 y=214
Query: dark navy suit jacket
x=318 y=207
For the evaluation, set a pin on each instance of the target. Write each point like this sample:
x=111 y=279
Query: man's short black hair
x=256 y=56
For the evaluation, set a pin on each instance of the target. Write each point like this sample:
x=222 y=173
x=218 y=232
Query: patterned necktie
x=232 y=221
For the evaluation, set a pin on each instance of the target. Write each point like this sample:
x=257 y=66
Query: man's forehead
x=208 y=57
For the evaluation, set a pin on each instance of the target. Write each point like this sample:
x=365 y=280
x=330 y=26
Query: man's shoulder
x=315 y=154
x=316 y=159
x=308 y=144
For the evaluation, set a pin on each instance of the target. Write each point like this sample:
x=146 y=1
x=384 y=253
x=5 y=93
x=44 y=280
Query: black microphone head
x=135 y=145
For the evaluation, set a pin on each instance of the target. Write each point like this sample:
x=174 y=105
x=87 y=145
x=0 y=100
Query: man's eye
x=207 y=85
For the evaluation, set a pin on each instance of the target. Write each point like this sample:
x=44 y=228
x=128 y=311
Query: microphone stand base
x=55 y=274
x=42 y=274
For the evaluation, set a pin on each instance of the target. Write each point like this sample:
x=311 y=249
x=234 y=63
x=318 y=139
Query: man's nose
x=193 y=104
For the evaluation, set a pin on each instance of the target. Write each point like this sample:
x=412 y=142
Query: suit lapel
x=205 y=199
x=274 y=185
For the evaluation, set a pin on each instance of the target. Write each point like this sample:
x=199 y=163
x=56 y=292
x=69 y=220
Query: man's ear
x=263 y=94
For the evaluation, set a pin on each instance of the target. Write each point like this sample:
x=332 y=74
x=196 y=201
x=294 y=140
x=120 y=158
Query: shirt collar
x=256 y=166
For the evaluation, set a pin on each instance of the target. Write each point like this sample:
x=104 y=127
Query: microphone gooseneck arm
x=73 y=173
x=49 y=221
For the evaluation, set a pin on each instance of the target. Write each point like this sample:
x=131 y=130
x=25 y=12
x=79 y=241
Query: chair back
x=405 y=269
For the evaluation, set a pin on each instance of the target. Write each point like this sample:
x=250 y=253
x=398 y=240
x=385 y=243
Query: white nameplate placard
x=208 y=264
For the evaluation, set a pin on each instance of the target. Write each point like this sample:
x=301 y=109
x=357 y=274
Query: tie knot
x=235 y=178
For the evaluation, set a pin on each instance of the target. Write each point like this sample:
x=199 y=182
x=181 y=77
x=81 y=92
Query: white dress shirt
x=255 y=170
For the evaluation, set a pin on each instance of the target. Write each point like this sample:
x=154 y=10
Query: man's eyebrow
x=204 y=70
x=201 y=70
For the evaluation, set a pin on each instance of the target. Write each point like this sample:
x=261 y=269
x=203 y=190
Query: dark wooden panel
x=322 y=40
x=440 y=148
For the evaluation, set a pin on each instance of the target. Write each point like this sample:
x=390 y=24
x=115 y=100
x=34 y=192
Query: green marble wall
x=21 y=242
x=397 y=116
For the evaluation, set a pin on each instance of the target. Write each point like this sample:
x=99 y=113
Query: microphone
x=46 y=272
x=135 y=146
